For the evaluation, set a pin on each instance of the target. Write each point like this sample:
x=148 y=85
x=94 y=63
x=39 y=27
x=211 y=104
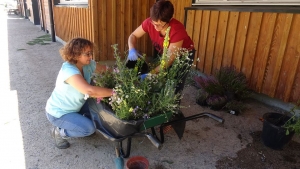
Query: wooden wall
x=105 y=23
x=263 y=45
x=117 y=19
x=71 y=22
x=179 y=6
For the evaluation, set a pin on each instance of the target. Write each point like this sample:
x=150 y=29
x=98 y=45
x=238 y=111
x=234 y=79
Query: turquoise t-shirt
x=64 y=98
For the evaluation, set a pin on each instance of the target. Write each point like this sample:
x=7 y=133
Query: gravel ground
x=28 y=74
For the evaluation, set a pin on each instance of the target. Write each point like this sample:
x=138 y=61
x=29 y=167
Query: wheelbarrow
x=120 y=131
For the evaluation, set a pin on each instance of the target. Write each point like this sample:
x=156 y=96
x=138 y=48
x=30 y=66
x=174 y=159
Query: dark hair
x=162 y=10
x=74 y=48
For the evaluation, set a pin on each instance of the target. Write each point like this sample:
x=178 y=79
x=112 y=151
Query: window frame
x=248 y=2
x=73 y=2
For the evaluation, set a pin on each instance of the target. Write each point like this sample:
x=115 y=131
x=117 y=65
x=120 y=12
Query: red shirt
x=177 y=33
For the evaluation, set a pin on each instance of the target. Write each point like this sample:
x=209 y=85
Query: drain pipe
x=25 y=8
x=51 y=20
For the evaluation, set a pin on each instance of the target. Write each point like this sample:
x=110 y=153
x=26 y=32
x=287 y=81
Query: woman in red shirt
x=160 y=19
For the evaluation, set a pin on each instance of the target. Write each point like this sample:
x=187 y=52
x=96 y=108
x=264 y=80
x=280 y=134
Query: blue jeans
x=74 y=124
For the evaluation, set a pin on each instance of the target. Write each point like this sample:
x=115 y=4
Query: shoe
x=60 y=142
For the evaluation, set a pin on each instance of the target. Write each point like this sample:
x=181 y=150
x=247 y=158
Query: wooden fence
x=73 y=22
x=263 y=45
x=105 y=23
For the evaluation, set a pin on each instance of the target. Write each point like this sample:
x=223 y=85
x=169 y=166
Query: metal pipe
x=25 y=8
x=51 y=21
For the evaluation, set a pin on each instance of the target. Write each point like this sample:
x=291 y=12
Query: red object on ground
x=137 y=162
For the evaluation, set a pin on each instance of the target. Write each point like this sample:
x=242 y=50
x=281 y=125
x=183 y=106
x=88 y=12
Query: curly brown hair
x=162 y=10
x=74 y=48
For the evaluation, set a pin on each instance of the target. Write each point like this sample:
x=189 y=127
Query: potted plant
x=136 y=101
x=226 y=89
x=279 y=129
x=216 y=102
x=201 y=97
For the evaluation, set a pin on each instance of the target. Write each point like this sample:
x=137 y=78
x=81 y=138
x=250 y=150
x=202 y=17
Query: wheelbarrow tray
x=116 y=129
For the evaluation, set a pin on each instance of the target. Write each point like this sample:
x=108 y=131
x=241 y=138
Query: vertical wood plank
x=104 y=24
x=295 y=95
x=94 y=15
x=122 y=42
x=143 y=15
x=240 y=40
x=220 y=39
x=263 y=50
x=251 y=44
x=290 y=62
x=203 y=39
x=196 y=35
x=113 y=29
x=211 y=40
x=190 y=22
x=230 y=38
x=277 y=52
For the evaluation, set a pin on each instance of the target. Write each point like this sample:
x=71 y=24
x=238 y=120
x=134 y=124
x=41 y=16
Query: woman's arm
x=173 y=48
x=137 y=33
x=80 y=84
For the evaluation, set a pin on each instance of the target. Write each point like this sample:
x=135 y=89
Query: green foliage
x=41 y=40
x=293 y=124
x=202 y=95
x=227 y=85
x=136 y=98
x=235 y=105
x=233 y=82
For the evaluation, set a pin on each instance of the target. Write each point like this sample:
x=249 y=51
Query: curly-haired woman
x=66 y=108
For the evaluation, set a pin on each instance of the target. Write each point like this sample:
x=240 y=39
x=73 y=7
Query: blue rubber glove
x=133 y=55
x=143 y=76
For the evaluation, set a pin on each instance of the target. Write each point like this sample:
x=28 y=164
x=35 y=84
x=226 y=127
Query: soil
x=262 y=157
x=253 y=153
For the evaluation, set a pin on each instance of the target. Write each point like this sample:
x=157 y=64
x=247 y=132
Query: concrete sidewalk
x=28 y=74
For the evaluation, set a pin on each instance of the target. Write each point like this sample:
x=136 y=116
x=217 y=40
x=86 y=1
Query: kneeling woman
x=66 y=108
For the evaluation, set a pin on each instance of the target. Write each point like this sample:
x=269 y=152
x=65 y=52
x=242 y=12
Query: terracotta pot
x=137 y=162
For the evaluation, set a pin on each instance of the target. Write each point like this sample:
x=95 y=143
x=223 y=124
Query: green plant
x=135 y=98
x=293 y=124
x=227 y=85
x=235 y=107
x=42 y=40
x=233 y=82
x=201 y=97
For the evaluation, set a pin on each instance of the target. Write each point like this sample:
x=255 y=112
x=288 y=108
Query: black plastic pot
x=273 y=135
